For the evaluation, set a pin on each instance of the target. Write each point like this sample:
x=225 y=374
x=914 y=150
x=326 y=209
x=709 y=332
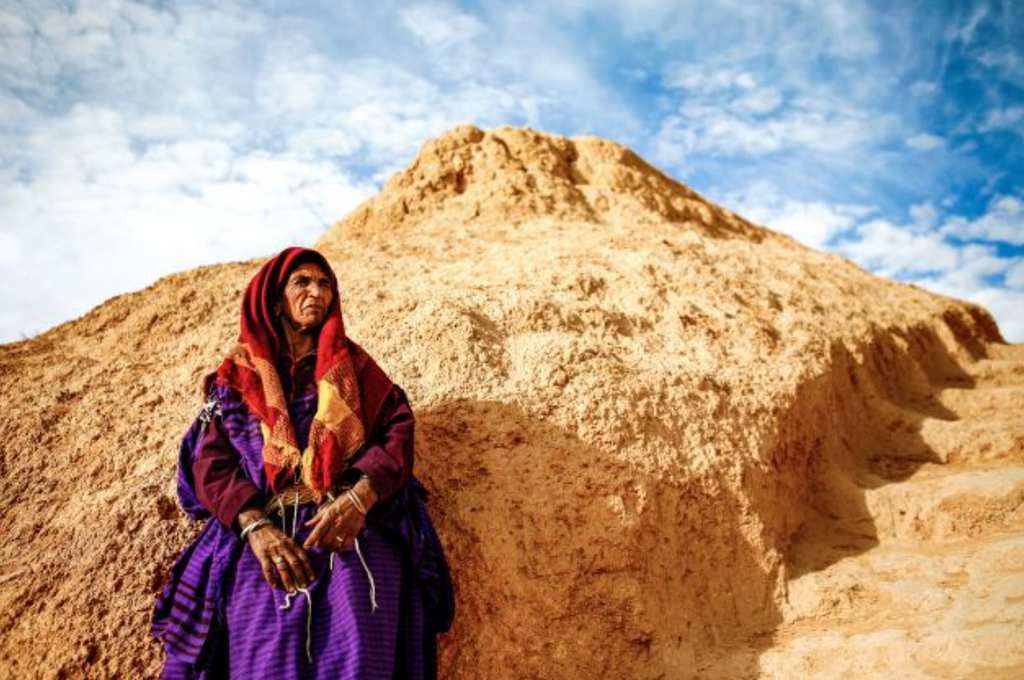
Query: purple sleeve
x=388 y=459
x=220 y=484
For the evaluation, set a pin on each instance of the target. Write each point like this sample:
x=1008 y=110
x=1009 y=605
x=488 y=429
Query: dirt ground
x=661 y=441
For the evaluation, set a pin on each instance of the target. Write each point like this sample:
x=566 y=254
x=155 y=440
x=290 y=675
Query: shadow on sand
x=569 y=563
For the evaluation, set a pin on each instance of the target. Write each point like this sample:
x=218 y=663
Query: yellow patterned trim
x=331 y=408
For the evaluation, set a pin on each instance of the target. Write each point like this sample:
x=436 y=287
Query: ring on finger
x=278 y=559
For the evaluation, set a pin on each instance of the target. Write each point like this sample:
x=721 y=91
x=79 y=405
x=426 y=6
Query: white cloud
x=1015 y=278
x=813 y=223
x=1004 y=58
x=925 y=142
x=965 y=33
x=924 y=214
x=970 y=271
x=10 y=250
x=914 y=251
x=891 y=250
x=1004 y=304
x=107 y=215
x=924 y=89
x=730 y=112
x=724 y=131
x=1008 y=118
x=1003 y=221
x=846 y=96
x=787 y=29
x=439 y=25
x=12 y=109
x=51 y=49
x=760 y=101
x=736 y=90
x=698 y=79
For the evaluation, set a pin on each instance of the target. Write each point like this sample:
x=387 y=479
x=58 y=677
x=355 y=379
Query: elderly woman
x=319 y=559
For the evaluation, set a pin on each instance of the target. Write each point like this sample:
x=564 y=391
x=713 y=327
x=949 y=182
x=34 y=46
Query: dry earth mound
x=662 y=442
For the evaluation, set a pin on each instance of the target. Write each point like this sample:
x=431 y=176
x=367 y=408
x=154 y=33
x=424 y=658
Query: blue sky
x=142 y=138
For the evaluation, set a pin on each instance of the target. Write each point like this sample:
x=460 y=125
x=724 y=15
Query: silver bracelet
x=356 y=501
x=252 y=526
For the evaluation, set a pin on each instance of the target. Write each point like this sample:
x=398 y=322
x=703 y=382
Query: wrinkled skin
x=303 y=306
x=336 y=523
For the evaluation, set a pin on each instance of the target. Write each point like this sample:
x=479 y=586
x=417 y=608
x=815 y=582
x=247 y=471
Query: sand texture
x=661 y=441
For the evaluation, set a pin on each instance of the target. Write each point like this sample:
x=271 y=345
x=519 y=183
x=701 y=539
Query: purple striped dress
x=366 y=615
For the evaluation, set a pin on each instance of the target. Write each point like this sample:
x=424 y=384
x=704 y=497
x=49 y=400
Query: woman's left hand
x=338 y=523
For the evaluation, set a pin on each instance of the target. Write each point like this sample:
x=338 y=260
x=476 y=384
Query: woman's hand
x=340 y=521
x=277 y=551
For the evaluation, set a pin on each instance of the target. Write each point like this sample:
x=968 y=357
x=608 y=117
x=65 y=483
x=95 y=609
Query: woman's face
x=306 y=296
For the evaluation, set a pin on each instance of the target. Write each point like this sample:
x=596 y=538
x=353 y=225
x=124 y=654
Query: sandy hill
x=663 y=442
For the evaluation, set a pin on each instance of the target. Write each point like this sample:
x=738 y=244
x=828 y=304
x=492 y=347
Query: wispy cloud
x=925 y=142
x=814 y=223
x=915 y=251
x=105 y=212
x=946 y=253
x=1009 y=118
x=1002 y=222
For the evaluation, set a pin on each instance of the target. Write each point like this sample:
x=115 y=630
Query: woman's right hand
x=276 y=551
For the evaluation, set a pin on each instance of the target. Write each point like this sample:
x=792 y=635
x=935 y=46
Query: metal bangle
x=356 y=501
x=252 y=526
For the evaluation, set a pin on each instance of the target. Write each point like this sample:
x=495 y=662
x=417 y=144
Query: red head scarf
x=351 y=386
